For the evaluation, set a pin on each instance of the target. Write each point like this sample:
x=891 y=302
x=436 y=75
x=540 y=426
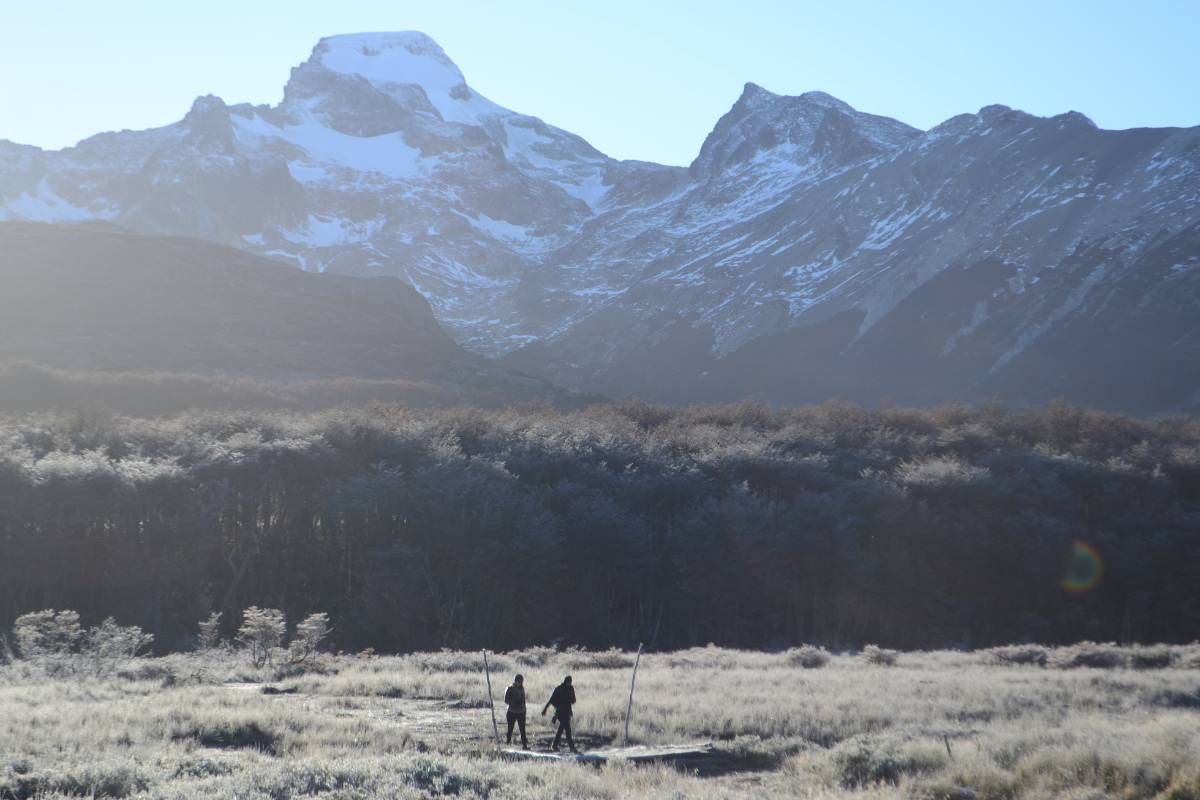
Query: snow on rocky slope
x=379 y=160
x=817 y=252
x=810 y=250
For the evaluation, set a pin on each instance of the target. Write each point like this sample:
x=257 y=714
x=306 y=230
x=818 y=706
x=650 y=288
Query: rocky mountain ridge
x=810 y=250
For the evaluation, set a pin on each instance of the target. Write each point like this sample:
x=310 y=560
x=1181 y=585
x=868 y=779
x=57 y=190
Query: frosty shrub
x=47 y=633
x=807 y=657
x=210 y=632
x=1188 y=656
x=710 y=657
x=536 y=656
x=865 y=761
x=109 y=645
x=880 y=656
x=1089 y=654
x=1156 y=657
x=145 y=669
x=1020 y=654
x=261 y=632
x=57 y=639
x=454 y=661
x=940 y=472
x=309 y=635
x=578 y=658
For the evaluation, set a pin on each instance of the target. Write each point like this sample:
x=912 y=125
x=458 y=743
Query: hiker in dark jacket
x=514 y=696
x=562 y=699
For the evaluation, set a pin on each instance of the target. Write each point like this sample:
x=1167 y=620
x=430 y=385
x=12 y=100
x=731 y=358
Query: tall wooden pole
x=632 y=681
x=491 y=702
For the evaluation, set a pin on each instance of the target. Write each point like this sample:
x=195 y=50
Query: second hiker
x=562 y=699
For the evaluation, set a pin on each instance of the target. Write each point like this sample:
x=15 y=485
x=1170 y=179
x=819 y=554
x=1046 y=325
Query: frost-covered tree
x=261 y=633
x=210 y=632
x=47 y=633
x=310 y=633
x=108 y=645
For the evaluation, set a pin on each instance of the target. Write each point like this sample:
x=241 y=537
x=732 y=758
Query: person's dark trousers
x=519 y=719
x=564 y=726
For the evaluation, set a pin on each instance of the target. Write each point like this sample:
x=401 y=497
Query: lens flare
x=1084 y=568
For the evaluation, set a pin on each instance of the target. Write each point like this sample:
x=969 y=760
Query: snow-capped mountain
x=379 y=160
x=810 y=250
x=817 y=252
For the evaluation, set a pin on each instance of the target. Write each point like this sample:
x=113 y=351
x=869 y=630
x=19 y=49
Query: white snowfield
x=323 y=152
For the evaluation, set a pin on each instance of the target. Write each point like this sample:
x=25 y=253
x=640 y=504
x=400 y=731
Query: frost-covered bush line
x=620 y=523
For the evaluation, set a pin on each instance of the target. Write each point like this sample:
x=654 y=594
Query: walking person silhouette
x=563 y=698
x=514 y=696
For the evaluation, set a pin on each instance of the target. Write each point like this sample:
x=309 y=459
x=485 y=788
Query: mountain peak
x=206 y=105
x=1074 y=118
x=752 y=92
x=826 y=101
x=208 y=119
x=412 y=40
x=393 y=63
x=796 y=128
x=754 y=96
x=401 y=57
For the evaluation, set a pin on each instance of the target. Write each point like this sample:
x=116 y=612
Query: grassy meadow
x=1083 y=722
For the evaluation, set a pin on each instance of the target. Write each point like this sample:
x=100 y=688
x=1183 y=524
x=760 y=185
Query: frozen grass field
x=933 y=725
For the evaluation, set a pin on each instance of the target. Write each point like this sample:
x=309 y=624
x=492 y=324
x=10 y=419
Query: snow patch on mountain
x=407 y=58
x=387 y=154
x=43 y=204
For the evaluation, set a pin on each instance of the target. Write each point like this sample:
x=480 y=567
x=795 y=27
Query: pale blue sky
x=638 y=79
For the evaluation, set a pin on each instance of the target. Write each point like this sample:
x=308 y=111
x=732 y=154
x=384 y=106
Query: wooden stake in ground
x=491 y=702
x=632 y=681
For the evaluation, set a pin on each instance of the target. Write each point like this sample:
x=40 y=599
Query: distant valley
x=95 y=318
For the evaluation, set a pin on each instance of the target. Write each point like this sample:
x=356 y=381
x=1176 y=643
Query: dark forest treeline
x=617 y=524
